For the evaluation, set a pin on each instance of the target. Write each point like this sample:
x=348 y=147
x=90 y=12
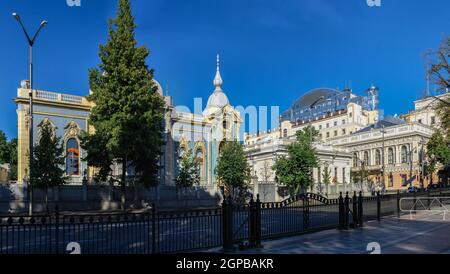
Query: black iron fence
x=180 y=231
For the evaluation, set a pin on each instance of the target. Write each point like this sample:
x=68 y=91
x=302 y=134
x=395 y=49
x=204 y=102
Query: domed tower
x=224 y=121
x=218 y=100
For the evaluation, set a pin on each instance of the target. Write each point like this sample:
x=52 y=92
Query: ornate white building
x=391 y=151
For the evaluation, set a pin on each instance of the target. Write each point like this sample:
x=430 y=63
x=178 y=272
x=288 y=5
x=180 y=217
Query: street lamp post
x=383 y=167
x=410 y=159
x=422 y=163
x=31 y=42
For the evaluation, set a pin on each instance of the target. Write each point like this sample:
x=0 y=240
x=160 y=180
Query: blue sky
x=272 y=51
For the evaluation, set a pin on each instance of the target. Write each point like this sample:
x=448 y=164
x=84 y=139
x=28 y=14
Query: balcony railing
x=54 y=97
x=376 y=134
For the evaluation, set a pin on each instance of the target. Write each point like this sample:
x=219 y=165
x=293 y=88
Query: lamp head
x=16 y=16
x=44 y=23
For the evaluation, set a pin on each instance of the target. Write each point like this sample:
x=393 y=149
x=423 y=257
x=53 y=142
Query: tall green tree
x=127 y=116
x=440 y=72
x=4 y=149
x=295 y=169
x=13 y=158
x=8 y=154
x=189 y=173
x=48 y=161
x=233 y=170
x=438 y=152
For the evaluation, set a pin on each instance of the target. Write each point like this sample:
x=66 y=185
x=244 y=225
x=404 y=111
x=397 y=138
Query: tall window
x=391 y=158
x=73 y=157
x=404 y=154
x=366 y=158
x=336 y=174
x=355 y=160
x=404 y=180
x=319 y=174
x=377 y=157
x=391 y=180
x=182 y=151
x=285 y=133
x=200 y=161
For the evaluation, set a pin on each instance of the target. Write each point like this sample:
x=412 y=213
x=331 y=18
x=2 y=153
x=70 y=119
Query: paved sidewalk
x=425 y=233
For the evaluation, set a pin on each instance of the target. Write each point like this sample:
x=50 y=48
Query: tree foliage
x=13 y=158
x=295 y=169
x=326 y=176
x=8 y=154
x=233 y=170
x=189 y=173
x=440 y=72
x=438 y=151
x=48 y=160
x=127 y=116
x=4 y=149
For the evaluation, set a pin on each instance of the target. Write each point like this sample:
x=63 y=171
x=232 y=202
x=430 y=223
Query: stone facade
x=354 y=139
x=262 y=157
x=68 y=115
x=403 y=147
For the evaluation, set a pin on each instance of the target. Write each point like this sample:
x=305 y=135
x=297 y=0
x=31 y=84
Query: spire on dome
x=218 y=79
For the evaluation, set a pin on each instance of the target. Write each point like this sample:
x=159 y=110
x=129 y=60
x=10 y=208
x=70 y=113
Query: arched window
x=182 y=151
x=355 y=160
x=199 y=160
x=285 y=133
x=221 y=146
x=72 y=157
x=377 y=157
x=404 y=154
x=391 y=158
x=366 y=158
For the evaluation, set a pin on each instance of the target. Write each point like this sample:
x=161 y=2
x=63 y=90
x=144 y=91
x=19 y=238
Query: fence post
x=56 y=230
x=428 y=198
x=154 y=229
x=341 y=211
x=305 y=212
x=252 y=224
x=398 y=203
x=378 y=206
x=346 y=210
x=258 y=222
x=227 y=224
x=355 y=210
x=360 y=209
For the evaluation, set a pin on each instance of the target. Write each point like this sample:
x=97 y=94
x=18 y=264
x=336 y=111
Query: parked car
x=412 y=189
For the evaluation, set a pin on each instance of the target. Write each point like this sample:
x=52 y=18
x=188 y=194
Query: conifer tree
x=127 y=116
x=48 y=161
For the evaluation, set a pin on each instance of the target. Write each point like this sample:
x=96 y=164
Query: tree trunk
x=123 y=185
